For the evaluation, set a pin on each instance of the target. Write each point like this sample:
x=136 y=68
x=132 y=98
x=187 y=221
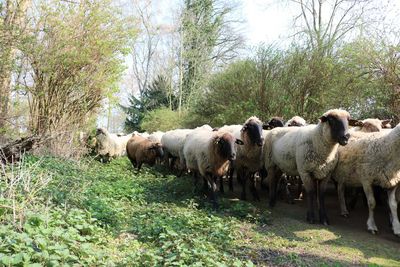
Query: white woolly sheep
x=111 y=145
x=296 y=121
x=364 y=126
x=371 y=160
x=309 y=152
x=173 y=142
x=370 y=125
x=156 y=136
x=209 y=153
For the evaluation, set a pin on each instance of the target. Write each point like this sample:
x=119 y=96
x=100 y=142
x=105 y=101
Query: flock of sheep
x=349 y=152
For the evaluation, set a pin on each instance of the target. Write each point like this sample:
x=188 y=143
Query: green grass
x=88 y=213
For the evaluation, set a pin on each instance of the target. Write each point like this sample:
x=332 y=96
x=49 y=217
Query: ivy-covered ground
x=55 y=212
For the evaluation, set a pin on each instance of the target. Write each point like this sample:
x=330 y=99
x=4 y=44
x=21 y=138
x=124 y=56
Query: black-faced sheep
x=141 y=150
x=371 y=160
x=274 y=122
x=309 y=152
x=209 y=153
x=248 y=156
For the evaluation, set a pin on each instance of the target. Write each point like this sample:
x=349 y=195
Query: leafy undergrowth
x=55 y=212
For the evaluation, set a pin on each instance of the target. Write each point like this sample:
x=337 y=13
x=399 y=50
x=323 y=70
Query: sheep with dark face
x=372 y=160
x=309 y=152
x=141 y=150
x=248 y=159
x=209 y=153
x=274 y=122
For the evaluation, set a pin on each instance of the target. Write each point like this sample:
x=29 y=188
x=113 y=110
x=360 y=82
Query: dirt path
x=354 y=225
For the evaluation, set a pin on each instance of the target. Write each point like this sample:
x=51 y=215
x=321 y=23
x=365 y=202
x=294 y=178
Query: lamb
x=371 y=160
x=111 y=145
x=209 y=153
x=296 y=121
x=309 y=152
x=141 y=150
x=248 y=159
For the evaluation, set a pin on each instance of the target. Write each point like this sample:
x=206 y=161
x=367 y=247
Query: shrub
x=162 y=119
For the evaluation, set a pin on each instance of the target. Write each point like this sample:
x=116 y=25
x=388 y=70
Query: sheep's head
x=101 y=130
x=225 y=145
x=252 y=131
x=296 y=121
x=273 y=123
x=338 y=122
x=157 y=149
x=371 y=125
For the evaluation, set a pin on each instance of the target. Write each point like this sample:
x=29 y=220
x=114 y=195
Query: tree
x=74 y=55
x=206 y=40
x=154 y=96
x=12 y=27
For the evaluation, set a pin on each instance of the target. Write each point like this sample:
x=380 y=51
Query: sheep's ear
x=386 y=123
x=323 y=118
x=239 y=142
x=355 y=123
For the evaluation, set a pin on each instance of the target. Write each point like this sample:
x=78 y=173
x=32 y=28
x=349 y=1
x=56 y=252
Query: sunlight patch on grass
x=316 y=235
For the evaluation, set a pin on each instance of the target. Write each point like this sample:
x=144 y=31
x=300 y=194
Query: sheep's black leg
x=213 y=192
x=221 y=184
x=241 y=175
x=323 y=218
x=288 y=194
x=230 y=177
x=310 y=205
x=263 y=175
x=139 y=166
x=299 y=188
x=172 y=164
x=253 y=188
x=273 y=177
x=310 y=190
x=205 y=185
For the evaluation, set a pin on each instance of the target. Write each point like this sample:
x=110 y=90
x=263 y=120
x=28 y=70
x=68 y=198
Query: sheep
x=173 y=142
x=156 y=136
x=369 y=160
x=370 y=125
x=309 y=152
x=248 y=158
x=273 y=123
x=141 y=150
x=365 y=126
x=296 y=121
x=110 y=145
x=209 y=153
